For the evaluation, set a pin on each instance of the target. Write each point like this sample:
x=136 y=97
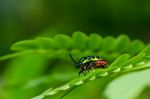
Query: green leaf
x=81 y=80
x=134 y=60
x=45 y=42
x=35 y=55
x=23 y=67
x=122 y=43
x=25 y=45
x=135 y=46
x=15 y=55
x=94 y=41
x=21 y=70
x=62 y=54
x=119 y=62
x=74 y=83
x=148 y=57
x=79 y=40
x=77 y=54
x=108 y=44
x=146 y=50
x=43 y=94
x=63 y=41
x=128 y=86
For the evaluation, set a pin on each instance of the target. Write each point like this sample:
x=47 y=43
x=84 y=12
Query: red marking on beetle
x=101 y=63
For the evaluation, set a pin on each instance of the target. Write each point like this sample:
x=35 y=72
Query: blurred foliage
x=43 y=63
x=26 y=19
x=34 y=65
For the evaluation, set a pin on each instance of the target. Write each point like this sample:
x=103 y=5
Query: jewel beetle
x=88 y=63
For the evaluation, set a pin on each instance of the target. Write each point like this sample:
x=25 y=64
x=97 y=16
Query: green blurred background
x=23 y=19
x=26 y=19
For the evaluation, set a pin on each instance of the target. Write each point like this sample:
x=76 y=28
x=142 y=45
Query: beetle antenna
x=72 y=59
x=76 y=64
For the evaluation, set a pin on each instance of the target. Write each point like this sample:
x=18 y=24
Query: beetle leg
x=79 y=73
x=105 y=66
x=85 y=69
x=82 y=70
x=88 y=67
x=92 y=65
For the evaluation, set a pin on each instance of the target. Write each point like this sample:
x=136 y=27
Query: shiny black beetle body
x=89 y=62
